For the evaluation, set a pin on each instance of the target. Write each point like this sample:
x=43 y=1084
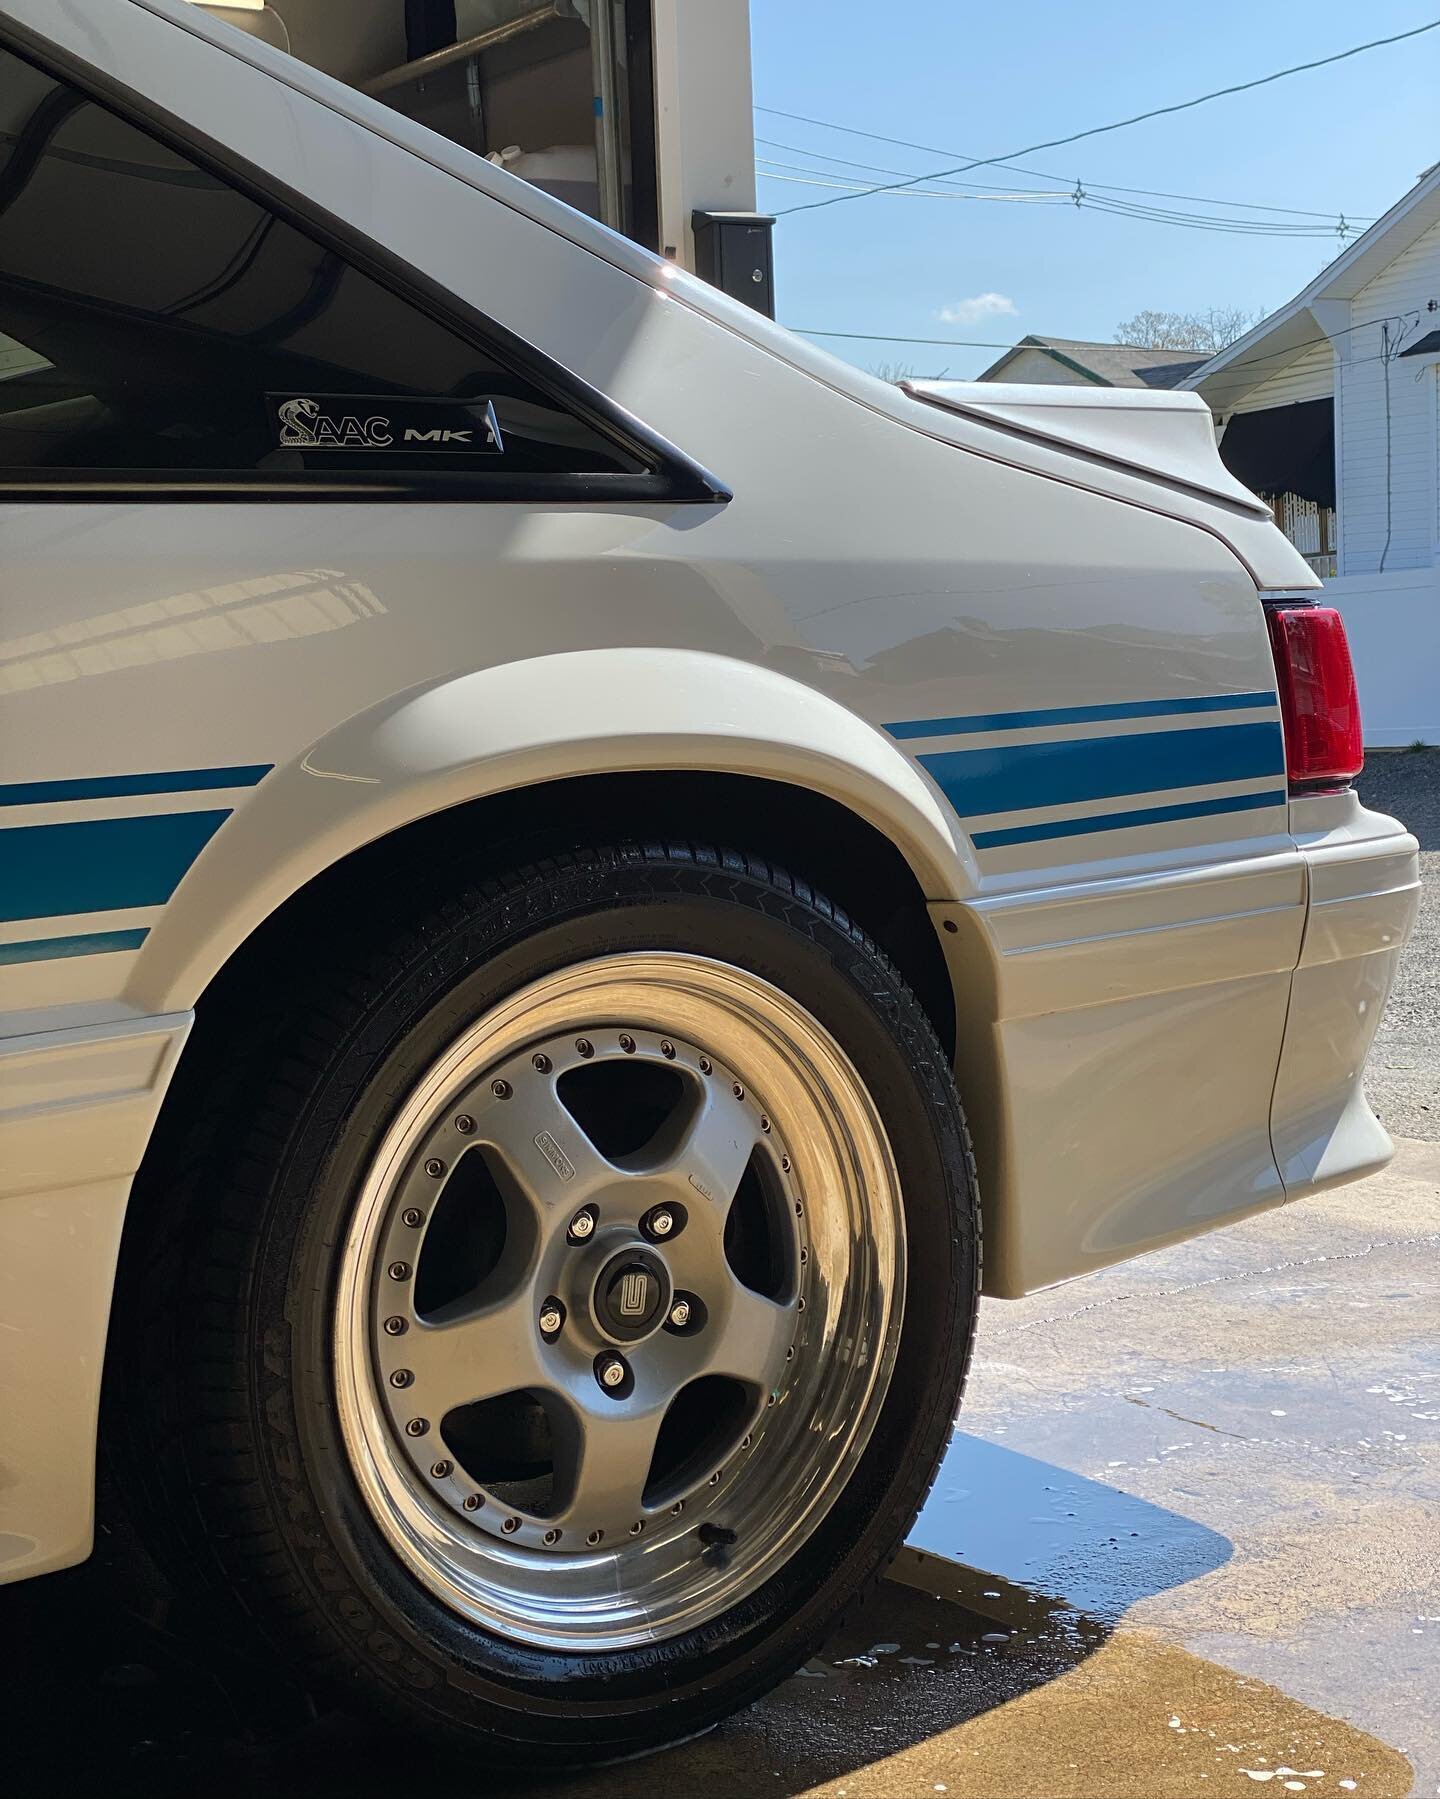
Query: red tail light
x=1318 y=701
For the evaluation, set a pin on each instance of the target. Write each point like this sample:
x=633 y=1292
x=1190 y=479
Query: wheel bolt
x=637 y=1527
x=440 y=1470
x=541 y=1064
x=667 y=1049
x=584 y=1047
x=399 y=1271
x=413 y=1216
x=402 y=1377
x=395 y=1327
x=434 y=1167
x=706 y=1065
x=661 y=1223
x=464 y=1123
x=472 y=1502
x=612 y=1372
x=417 y=1427
x=765 y=1124
x=551 y=1538
x=552 y=1316
x=594 y=1537
x=680 y=1314
x=510 y=1526
x=738 y=1090
x=582 y=1225
x=627 y=1043
x=785 y=1164
x=501 y=1089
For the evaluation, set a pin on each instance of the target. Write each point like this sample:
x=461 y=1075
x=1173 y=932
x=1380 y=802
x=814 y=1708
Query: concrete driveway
x=1186 y=1542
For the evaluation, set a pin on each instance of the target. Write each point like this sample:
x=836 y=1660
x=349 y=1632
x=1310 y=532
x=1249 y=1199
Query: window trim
x=673 y=478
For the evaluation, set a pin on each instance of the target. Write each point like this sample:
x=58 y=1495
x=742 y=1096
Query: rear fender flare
x=521 y=724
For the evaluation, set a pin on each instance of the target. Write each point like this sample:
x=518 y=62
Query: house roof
x=1303 y=321
x=1429 y=345
x=1107 y=365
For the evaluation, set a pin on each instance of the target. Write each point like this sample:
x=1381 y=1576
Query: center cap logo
x=631 y=1294
x=634 y=1294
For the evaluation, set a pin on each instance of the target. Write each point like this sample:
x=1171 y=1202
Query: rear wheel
x=579 y=1328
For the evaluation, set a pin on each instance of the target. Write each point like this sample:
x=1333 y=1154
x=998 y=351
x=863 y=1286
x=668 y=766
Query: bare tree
x=892 y=371
x=1205 y=333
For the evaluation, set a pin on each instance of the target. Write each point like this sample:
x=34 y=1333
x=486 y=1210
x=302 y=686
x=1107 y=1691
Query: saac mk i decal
x=378 y=423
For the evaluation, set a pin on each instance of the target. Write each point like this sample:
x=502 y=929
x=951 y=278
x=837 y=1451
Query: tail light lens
x=1318 y=701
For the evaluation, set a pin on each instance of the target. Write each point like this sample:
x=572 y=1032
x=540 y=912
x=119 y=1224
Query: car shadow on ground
x=120 y=1689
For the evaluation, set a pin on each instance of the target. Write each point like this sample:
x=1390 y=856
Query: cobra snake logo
x=295 y=417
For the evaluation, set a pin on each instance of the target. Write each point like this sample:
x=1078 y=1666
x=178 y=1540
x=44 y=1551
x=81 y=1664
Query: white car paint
x=906 y=607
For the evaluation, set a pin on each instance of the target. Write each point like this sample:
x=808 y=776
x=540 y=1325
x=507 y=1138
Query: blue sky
x=984 y=78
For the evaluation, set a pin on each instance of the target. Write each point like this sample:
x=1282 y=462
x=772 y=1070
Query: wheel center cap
x=631 y=1294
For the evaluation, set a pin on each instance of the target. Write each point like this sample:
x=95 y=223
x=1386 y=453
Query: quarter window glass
x=152 y=317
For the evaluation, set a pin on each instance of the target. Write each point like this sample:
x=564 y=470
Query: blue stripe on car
x=1121 y=821
x=1078 y=715
x=104 y=787
x=100 y=864
x=54 y=949
x=1022 y=776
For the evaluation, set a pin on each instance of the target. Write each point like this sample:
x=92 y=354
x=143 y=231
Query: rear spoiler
x=1166 y=436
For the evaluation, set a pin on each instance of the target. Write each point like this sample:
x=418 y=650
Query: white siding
x=1410 y=472
x=1310 y=375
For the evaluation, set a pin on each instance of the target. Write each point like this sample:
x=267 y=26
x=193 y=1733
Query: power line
x=769 y=169
x=1155 y=112
x=904 y=143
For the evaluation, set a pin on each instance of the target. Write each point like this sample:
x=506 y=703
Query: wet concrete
x=1187 y=1543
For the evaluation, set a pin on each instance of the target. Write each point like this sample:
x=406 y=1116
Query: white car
x=527 y=791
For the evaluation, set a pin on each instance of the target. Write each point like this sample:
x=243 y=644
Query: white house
x=1331 y=409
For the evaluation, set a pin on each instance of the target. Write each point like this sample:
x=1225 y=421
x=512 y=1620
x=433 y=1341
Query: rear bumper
x=1364 y=891
x=1147 y=1057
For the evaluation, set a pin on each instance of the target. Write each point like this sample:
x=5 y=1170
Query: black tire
x=223 y=1383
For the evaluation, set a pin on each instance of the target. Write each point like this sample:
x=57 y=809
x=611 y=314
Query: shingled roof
x=1107 y=365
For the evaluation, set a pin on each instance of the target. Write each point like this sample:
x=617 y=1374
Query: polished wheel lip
x=800 y=1448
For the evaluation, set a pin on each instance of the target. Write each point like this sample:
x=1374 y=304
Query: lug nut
x=413 y=1216
x=551 y=1318
x=395 y=1327
x=464 y=1123
x=661 y=1223
x=611 y=1372
x=501 y=1089
x=541 y=1064
x=582 y=1225
x=434 y=1167
x=680 y=1314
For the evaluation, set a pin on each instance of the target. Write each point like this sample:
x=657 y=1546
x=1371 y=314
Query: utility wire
x=1155 y=112
x=904 y=143
x=1081 y=197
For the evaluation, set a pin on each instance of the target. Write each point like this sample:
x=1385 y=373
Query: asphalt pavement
x=1403 y=1074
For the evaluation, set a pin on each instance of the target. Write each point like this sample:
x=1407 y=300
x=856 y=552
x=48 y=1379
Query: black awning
x=1284 y=449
